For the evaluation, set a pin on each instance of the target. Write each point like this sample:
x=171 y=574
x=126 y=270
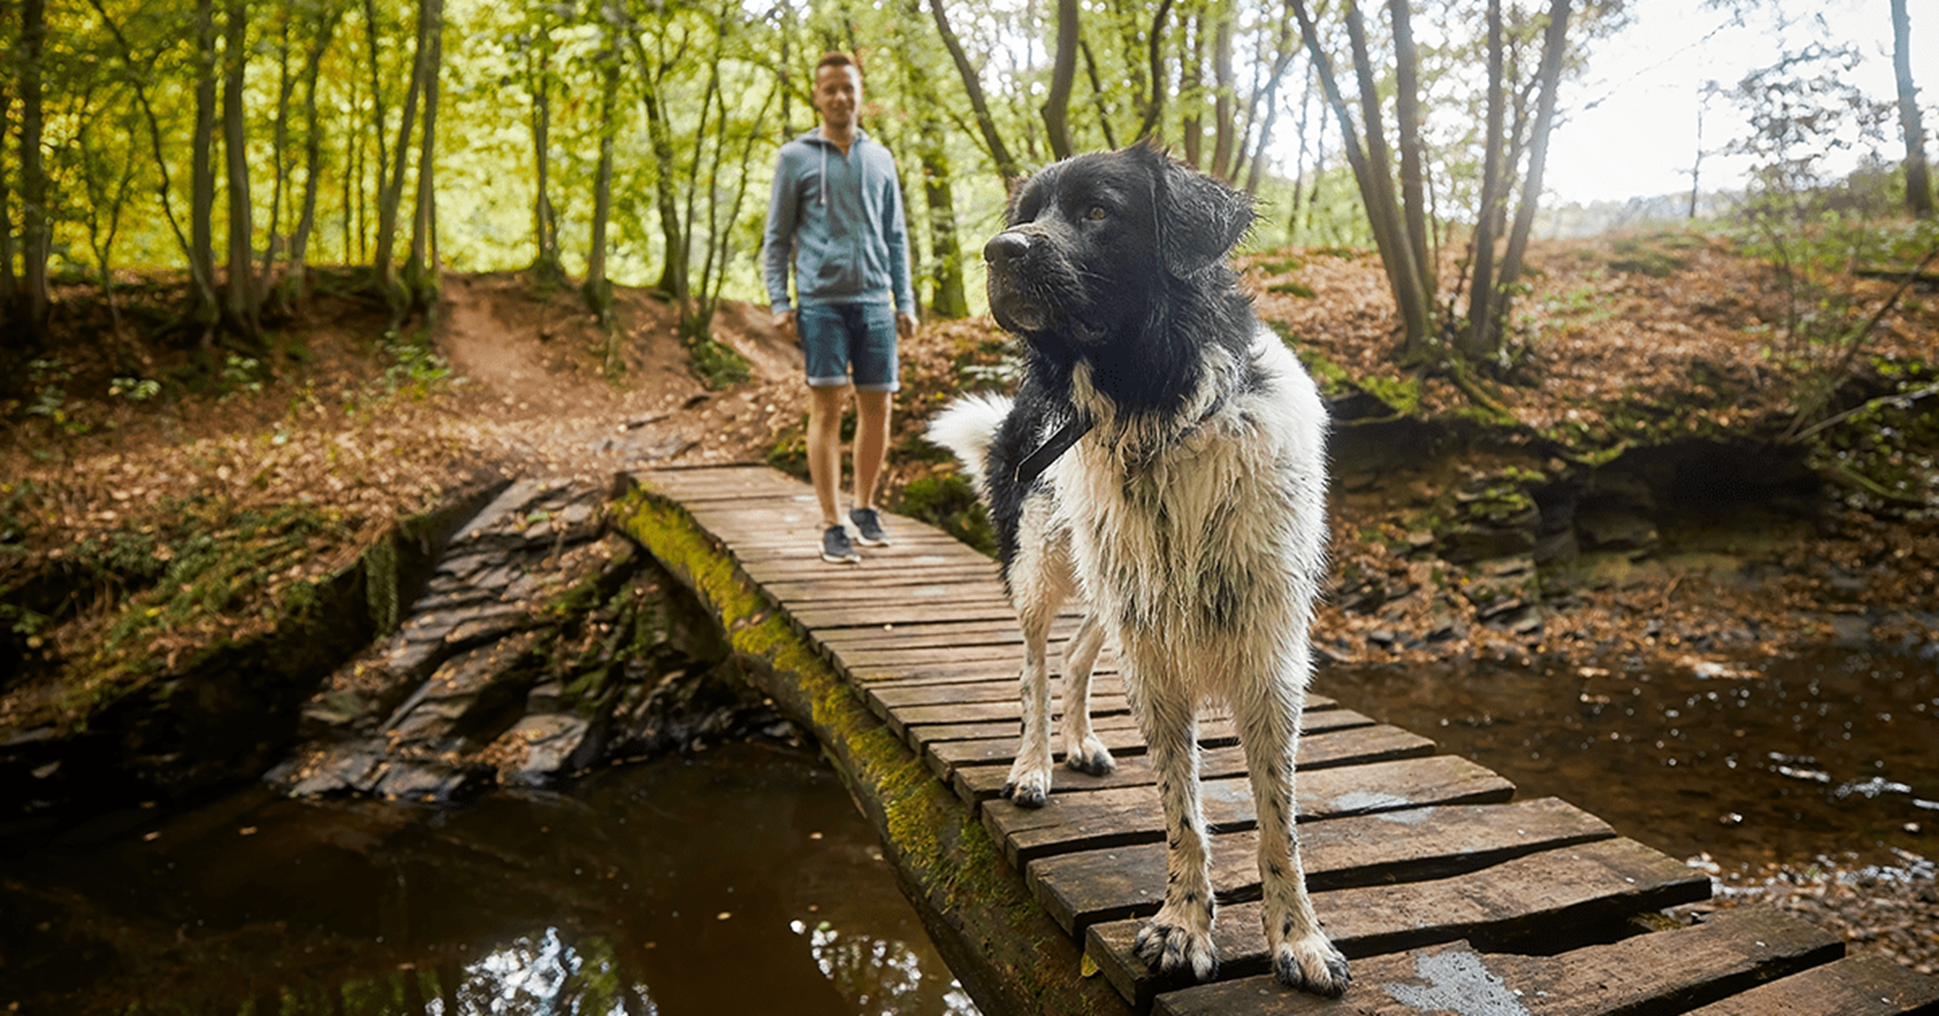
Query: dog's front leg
x=1029 y=782
x=1179 y=937
x=1083 y=751
x=1302 y=956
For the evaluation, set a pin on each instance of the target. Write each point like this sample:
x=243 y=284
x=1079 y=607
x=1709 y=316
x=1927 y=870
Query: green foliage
x=134 y=389
x=949 y=502
x=718 y=365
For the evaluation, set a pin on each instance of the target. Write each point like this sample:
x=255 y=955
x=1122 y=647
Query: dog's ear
x=1200 y=219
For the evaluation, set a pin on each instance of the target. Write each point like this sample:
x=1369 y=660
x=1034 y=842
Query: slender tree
x=240 y=300
x=1481 y=314
x=205 y=309
x=35 y=225
x=1056 y=107
x=1007 y=167
x=1554 y=41
x=598 y=290
x=421 y=267
x=1918 y=179
x=328 y=15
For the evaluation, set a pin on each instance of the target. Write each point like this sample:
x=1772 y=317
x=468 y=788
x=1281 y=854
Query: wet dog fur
x=1190 y=512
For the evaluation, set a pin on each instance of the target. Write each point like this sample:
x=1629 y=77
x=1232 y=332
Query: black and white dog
x=1165 y=455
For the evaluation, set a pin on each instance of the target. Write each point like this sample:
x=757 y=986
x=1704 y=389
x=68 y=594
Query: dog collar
x=1057 y=444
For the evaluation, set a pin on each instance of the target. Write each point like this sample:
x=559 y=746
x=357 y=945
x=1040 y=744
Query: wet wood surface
x=1448 y=892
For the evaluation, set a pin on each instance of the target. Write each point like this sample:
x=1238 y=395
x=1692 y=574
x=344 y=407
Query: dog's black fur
x=1128 y=289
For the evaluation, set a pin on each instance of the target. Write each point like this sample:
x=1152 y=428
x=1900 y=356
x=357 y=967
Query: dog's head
x=1093 y=243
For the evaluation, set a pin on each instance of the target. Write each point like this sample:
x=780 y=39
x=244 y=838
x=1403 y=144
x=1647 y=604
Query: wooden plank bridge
x=1447 y=891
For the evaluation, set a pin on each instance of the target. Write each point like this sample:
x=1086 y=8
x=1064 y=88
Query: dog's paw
x=1028 y=787
x=1311 y=963
x=1090 y=757
x=1174 y=948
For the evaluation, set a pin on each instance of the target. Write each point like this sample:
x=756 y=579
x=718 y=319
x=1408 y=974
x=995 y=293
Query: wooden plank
x=979 y=764
x=1118 y=731
x=888 y=612
x=1664 y=972
x=949 y=634
x=1868 y=984
x=1113 y=816
x=906 y=696
x=891 y=655
x=927 y=584
x=1553 y=896
x=1340 y=847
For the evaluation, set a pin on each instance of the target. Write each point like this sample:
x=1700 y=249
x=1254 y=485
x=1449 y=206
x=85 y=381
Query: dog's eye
x=1097 y=213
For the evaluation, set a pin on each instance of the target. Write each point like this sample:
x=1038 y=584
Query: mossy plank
x=1668 y=971
x=1340 y=847
x=1551 y=896
x=1870 y=984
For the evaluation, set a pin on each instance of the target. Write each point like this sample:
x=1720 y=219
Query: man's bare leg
x=825 y=447
x=872 y=411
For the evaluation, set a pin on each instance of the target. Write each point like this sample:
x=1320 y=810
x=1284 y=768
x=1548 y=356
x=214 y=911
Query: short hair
x=839 y=60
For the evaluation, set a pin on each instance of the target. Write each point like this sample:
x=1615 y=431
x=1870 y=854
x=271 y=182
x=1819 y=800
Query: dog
x=1164 y=455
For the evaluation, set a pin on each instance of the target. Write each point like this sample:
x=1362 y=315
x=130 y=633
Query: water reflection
x=739 y=882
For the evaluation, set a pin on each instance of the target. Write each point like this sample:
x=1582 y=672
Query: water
x=1831 y=754
x=741 y=880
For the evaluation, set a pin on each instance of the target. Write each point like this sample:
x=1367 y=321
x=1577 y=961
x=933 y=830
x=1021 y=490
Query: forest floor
x=1631 y=341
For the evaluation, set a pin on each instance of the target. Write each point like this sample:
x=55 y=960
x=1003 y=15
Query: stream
x=737 y=880
x=1828 y=755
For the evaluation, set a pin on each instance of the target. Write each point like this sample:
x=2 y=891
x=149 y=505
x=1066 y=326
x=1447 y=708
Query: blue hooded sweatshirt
x=839 y=219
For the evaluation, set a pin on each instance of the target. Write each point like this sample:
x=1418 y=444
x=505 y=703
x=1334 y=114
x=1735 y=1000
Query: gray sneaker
x=835 y=548
x=868 y=528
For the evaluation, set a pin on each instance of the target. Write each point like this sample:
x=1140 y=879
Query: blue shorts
x=839 y=337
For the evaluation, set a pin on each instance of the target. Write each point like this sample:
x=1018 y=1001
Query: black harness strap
x=1057 y=444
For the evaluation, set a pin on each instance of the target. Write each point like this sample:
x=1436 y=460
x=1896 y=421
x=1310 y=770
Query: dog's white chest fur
x=1207 y=540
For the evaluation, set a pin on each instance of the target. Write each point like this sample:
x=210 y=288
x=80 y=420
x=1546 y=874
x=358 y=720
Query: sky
x=1632 y=116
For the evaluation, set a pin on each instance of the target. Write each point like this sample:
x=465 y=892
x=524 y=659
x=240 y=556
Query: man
x=836 y=216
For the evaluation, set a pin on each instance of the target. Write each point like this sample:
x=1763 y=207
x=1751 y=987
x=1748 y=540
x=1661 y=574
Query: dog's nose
x=1006 y=247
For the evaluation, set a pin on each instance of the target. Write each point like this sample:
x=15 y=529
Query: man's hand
x=784 y=323
x=905 y=324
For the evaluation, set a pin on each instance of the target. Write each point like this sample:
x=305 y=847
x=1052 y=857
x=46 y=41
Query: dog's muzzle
x=1009 y=254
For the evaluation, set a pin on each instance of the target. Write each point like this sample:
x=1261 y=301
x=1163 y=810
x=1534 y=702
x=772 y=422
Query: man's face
x=838 y=91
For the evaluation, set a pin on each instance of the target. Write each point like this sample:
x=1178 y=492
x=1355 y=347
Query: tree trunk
x=206 y=309
x=1407 y=122
x=546 y=262
x=9 y=282
x=241 y=302
x=35 y=229
x=1918 y=179
x=1155 y=52
x=1372 y=170
x=673 y=272
x=1553 y=41
x=597 y=292
x=1056 y=107
x=949 y=296
x=1097 y=93
x=279 y=159
x=1191 y=92
x=421 y=268
x=297 y=280
x=1007 y=166
x=1224 y=146
x=1481 y=291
